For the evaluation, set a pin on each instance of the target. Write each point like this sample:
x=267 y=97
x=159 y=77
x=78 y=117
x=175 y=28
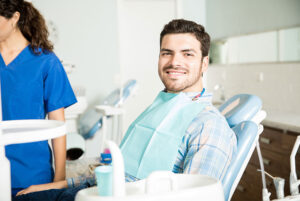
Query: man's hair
x=186 y=26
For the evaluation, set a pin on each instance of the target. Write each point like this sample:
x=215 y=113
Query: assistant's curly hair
x=31 y=24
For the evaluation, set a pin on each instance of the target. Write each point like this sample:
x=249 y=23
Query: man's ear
x=205 y=62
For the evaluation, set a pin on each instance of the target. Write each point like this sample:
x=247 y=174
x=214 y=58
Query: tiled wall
x=277 y=84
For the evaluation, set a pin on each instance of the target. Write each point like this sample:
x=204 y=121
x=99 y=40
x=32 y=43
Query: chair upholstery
x=239 y=111
x=241 y=107
x=246 y=133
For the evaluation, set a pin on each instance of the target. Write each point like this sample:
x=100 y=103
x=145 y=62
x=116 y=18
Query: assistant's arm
x=59 y=147
x=69 y=183
x=43 y=187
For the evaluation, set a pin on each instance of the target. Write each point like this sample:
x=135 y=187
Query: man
x=187 y=134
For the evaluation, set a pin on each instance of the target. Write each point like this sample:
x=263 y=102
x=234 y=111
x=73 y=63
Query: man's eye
x=165 y=53
x=188 y=54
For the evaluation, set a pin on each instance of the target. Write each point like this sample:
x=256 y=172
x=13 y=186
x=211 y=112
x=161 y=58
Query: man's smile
x=174 y=73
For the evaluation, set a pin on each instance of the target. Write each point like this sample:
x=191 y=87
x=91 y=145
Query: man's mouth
x=175 y=72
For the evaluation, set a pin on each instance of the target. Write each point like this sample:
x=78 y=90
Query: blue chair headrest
x=241 y=107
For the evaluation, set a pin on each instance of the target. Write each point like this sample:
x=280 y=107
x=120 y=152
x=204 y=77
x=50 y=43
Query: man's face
x=180 y=63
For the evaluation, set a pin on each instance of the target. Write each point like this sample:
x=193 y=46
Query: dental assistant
x=33 y=85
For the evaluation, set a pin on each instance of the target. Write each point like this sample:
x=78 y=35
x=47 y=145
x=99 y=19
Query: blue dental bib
x=152 y=141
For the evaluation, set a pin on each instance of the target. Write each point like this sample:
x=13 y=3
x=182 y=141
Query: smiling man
x=180 y=131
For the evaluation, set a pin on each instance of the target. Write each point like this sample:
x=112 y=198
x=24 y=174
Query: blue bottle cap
x=106 y=158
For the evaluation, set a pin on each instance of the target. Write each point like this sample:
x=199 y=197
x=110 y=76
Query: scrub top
x=31 y=86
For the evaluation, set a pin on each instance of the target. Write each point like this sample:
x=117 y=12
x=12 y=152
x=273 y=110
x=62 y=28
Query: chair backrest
x=91 y=121
x=241 y=107
x=240 y=112
x=247 y=135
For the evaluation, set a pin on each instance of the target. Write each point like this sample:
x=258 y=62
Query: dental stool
x=244 y=115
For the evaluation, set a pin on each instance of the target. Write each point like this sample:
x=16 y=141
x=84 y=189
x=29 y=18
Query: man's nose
x=176 y=60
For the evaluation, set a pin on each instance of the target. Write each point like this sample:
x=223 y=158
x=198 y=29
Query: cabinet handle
x=265 y=140
x=266 y=161
x=240 y=188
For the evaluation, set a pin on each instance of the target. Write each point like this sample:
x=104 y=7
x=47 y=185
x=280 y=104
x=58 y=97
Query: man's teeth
x=175 y=73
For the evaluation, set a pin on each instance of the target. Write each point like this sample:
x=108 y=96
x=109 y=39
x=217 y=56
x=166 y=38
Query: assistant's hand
x=31 y=189
x=43 y=187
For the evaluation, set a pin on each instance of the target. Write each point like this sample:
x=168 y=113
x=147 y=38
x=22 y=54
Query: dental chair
x=244 y=115
x=92 y=121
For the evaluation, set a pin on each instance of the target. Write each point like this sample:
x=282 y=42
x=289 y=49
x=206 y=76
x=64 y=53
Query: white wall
x=194 y=10
x=278 y=85
x=239 y=17
x=87 y=37
x=139 y=33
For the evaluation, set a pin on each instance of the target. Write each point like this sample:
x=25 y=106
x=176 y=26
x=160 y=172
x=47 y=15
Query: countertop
x=283 y=120
x=286 y=121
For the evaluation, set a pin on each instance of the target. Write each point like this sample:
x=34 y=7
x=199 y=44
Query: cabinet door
x=277 y=141
x=250 y=186
x=276 y=147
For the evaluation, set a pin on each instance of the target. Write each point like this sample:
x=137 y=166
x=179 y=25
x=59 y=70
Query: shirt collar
x=206 y=96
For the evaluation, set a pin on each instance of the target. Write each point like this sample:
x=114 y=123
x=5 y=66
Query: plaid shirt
x=207 y=146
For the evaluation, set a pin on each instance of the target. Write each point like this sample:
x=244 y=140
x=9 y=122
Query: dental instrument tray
x=22 y=131
x=157 y=187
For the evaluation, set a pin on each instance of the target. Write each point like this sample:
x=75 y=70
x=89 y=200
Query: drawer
x=250 y=186
x=274 y=163
x=277 y=141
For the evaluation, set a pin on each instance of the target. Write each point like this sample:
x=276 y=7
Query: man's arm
x=207 y=148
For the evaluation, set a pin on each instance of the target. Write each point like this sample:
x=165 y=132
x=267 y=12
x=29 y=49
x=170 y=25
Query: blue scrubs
x=31 y=86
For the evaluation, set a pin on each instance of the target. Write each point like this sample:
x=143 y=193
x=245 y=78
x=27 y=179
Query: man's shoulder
x=208 y=119
x=210 y=114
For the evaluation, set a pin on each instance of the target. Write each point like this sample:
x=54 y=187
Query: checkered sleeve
x=78 y=181
x=206 y=148
x=91 y=180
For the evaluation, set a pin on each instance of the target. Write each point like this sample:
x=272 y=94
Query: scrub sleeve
x=32 y=85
